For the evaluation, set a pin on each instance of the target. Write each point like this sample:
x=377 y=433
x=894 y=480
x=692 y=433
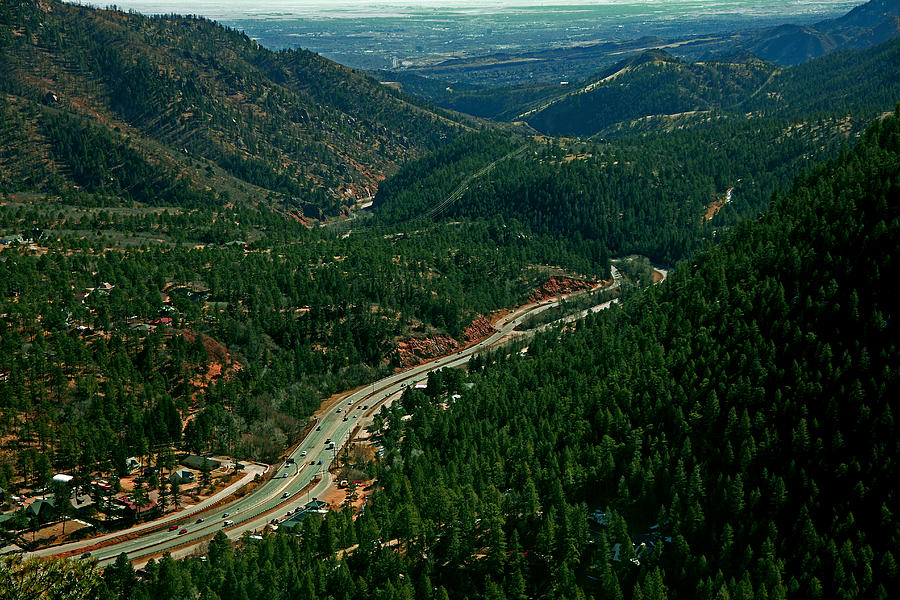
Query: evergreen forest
x=203 y=242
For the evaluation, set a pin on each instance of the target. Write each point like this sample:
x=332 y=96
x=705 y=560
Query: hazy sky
x=347 y=8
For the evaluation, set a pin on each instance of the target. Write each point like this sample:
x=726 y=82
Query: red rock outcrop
x=414 y=351
x=559 y=285
x=478 y=329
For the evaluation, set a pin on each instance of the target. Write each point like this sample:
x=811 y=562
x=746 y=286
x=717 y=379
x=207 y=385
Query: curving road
x=300 y=478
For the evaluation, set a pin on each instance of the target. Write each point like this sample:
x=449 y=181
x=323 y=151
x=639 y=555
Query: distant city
x=372 y=34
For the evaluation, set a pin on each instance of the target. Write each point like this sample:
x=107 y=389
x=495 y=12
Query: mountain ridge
x=207 y=104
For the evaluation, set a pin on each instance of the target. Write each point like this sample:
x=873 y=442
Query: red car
x=182 y=531
x=173 y=527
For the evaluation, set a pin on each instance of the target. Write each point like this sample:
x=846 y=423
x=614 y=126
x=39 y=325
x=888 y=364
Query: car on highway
x=303 y=453
x=349 y=402
x=365 y=406
x=173 y=527
x=285 y=495
x=227 y=523
x=319 y=428
x=345 y=418
x=86 y=555
x=273 y=522
x=355 y=416
x=182 y=532
x=340 y=410
x=200 y=520
x=226 y=515
x=312 y=462
x=319 y=463
x=437 y=361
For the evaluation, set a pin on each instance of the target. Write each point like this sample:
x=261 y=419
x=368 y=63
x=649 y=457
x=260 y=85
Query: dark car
x=319 y=428
x=200 y=520
x=86 y=555
x=319 y=463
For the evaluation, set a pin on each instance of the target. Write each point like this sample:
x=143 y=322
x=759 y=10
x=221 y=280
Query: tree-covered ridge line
x=645 y=194
x=644 y=184
x=654 y=85
x=203 y=103
x=507 y=87
x=731 y=431
x=300 y=314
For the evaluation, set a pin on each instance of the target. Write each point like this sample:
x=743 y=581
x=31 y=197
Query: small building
x=290 y=525
x=182 y=476
x=200 y=462
x=9 y=240
x=132 y=464
x=128 y=503
x=102 y=487
x=10 y=521
x=315 y=504
x=82 y=503
x=43 y=510
x=63 y=478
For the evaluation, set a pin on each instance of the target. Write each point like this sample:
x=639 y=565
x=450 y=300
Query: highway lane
x=311 y=460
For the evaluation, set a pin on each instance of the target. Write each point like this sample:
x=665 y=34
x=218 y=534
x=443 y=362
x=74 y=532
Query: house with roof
x=182 y=476
x=9 y=240
x=13 y=521
x=315 y=504
x=291 y=525
x=63 y=478
x=200 y=462
x=43 y=510
x=128 y=502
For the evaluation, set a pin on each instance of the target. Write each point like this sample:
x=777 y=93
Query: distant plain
x=373 y=34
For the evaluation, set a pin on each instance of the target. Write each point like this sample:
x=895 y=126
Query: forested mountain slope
x=729 y=434
x=658 y=85
x=179 y=110
x=655 y=184
x=659 y=194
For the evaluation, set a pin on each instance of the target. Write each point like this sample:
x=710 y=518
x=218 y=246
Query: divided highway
x=306 y=468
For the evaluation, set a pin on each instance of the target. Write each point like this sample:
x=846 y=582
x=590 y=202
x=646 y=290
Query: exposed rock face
x=413 y=351
x=559 y=285
x=477 y=329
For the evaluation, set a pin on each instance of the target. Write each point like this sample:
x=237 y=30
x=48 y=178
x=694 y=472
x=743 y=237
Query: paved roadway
x=311 y=459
